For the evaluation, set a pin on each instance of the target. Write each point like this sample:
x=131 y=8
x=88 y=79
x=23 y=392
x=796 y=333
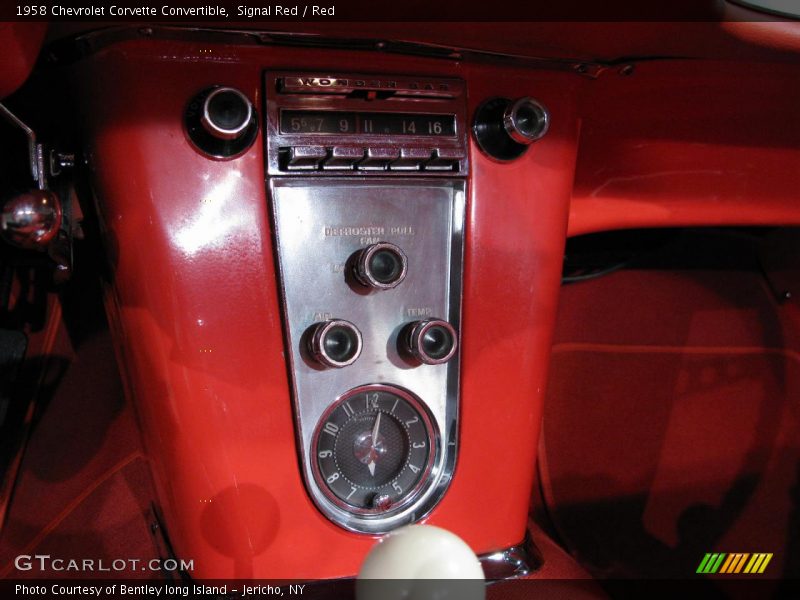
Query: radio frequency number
x=342 y=123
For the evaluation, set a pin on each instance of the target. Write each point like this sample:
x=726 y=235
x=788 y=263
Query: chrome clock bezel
x=426 y=479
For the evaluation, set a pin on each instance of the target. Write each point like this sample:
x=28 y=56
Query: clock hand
x=375 y=431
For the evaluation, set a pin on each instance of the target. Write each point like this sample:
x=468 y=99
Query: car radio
x=345 y=124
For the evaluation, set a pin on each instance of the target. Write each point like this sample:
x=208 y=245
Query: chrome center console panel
x=318 y=227
x=368 y=199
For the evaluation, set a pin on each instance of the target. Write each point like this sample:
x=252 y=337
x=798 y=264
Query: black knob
x=381 y=266
x=335 y=343
x=431 y=341
x=221 y=122
x=504 y=128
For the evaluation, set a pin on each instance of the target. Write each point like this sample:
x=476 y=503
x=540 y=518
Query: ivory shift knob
x=421 y=562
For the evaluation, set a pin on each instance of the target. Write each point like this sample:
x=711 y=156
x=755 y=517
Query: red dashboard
x=645 y=129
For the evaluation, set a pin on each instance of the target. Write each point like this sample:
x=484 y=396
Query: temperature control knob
x=335 y=343
x=221 y=122
x=381 y=266
x=431 y=341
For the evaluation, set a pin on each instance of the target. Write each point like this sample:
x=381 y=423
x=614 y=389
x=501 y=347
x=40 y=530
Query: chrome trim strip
x=398 y=86
x=74 y=48
x=516 y=561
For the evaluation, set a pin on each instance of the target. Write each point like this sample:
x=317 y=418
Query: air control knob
x=221 y=122
x=334 y=343
x=431 y=341
x=380 y=266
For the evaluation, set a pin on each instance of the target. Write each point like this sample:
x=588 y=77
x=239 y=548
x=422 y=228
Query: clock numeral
x=333 y=478
x=397 y=487
x=410 y=422
x=418 y=445
x=352 y=491
x=325 y=453
x=414 y=469
x=348 y=410
x=331 y=428
x=372 y=400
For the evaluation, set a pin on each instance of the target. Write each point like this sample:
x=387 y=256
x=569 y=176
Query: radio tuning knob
x=221 y=121
x=226 y=113
x=505 y=128
x=334 y=343
x=431 y=341
x=526 y=121
x=381 y=266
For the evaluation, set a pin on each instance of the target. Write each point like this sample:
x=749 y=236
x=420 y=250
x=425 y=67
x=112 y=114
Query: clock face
x=374 y=450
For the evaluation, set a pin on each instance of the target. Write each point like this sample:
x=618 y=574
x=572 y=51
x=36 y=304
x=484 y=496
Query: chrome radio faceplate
x=340 y=125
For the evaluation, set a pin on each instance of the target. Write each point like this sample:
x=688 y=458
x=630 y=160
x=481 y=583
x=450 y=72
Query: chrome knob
x=381 y=266
x=335 y=343
x=227 y=113
x=505 y=128
x=221 y=122
x=431 y=341
x=31 y=220
x=526 y=120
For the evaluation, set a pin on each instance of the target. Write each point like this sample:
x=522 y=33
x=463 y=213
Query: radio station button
x=411 y=159
x=305 y=158
x=444 y=159
x=378 y=159
x=343 y=158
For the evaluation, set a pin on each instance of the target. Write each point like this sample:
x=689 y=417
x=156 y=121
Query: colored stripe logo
x=734 y=562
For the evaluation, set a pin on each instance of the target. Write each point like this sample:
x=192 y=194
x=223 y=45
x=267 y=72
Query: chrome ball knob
x=31 y=220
